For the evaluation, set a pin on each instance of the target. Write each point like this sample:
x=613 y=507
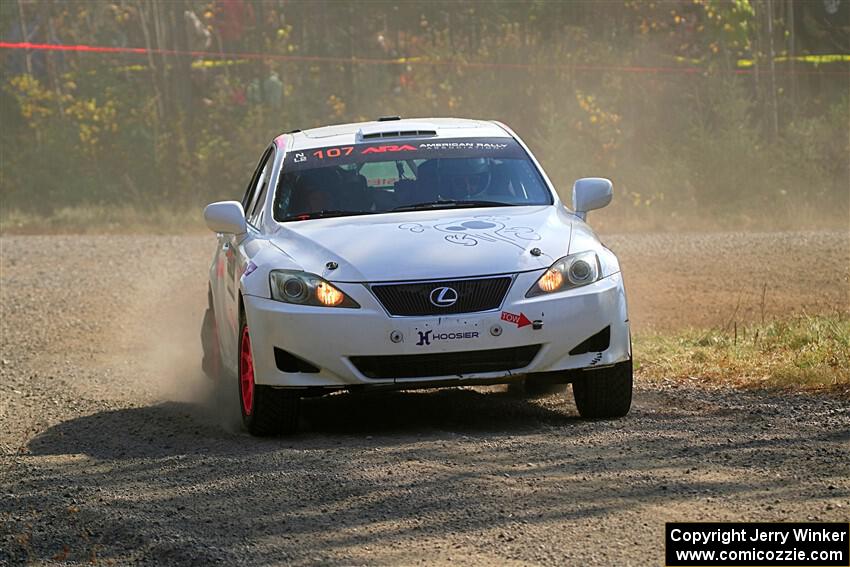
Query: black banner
x=499 y=148
x=744 y=544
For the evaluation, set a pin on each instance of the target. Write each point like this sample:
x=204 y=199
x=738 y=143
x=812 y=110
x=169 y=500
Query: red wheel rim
x=246 y=373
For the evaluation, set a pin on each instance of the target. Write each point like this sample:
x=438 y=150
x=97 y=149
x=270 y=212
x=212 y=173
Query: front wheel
x=265 y=410
x=604 y=393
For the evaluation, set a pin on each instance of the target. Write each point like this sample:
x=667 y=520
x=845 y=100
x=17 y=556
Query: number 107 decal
x=334 y=152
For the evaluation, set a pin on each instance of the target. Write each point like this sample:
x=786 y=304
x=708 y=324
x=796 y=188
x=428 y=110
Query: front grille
x=445 y=364
x=412 y=299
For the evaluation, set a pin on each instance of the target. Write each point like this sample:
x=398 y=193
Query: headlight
x=570 y=271
x=303 y=288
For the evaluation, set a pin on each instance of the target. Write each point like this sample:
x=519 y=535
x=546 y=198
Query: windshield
x=418 y=175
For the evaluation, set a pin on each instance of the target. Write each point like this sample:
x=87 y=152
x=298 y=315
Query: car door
x=236 y=251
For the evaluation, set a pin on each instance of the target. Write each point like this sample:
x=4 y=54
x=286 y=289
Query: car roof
x=390 y=130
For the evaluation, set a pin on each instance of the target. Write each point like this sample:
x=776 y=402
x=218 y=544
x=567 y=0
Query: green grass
x=803 y=353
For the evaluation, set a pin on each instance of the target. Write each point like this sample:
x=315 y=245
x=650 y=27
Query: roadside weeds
x=807 y=352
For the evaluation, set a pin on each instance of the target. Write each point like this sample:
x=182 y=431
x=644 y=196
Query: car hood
x=428 y=244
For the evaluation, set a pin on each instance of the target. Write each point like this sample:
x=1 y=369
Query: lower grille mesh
x=445 y=364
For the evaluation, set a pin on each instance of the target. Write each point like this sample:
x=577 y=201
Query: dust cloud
x=159 y=336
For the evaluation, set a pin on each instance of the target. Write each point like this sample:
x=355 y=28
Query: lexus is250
x=411 y=254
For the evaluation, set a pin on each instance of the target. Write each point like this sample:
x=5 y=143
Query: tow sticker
x=519 y=320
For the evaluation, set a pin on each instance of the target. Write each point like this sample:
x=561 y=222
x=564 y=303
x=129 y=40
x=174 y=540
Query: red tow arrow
x=519 y=320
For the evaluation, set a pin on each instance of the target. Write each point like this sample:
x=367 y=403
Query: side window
x=249 y=192
x=262 y=189
x=252 y=203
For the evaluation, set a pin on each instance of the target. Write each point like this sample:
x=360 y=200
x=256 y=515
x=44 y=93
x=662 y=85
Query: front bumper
x=329 y=338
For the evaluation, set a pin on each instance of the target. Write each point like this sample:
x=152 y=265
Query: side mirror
x=226 y=217
x=591 y=193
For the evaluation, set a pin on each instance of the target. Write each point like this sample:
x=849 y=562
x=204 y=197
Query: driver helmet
x=466 y=177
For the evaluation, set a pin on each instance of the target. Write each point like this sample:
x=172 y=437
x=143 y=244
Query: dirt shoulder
x=114 y=448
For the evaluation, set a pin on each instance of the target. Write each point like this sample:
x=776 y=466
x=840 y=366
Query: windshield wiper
x=450 y=204
x=323 y=215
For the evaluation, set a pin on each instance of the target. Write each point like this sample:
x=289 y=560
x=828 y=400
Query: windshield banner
x=500 y=148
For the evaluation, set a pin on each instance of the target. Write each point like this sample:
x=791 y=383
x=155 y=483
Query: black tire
x=537 y=388
x=275 y=412
x=604 y=393
x=272 y=411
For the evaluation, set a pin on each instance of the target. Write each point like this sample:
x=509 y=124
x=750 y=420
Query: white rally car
x=411 y=254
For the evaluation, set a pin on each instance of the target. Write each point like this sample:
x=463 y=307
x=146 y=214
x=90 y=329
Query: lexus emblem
x=443 y=296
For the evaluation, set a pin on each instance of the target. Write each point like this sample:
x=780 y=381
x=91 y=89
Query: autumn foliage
x=696 y=109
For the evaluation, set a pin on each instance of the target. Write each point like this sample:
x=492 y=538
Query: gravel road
x=115 y=450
